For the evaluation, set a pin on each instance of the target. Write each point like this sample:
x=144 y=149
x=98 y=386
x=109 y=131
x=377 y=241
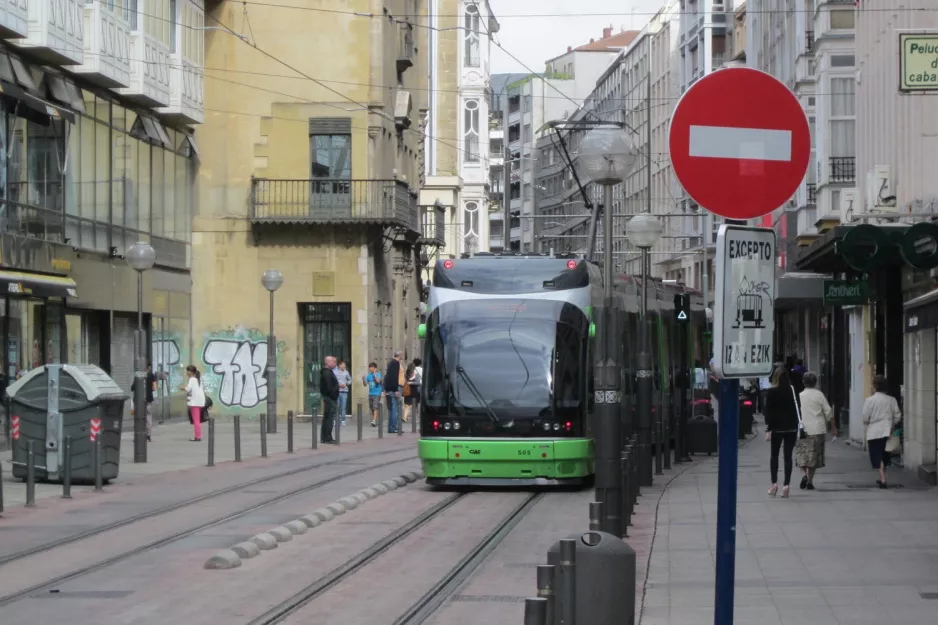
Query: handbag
x=801 y=432
x=893 y=445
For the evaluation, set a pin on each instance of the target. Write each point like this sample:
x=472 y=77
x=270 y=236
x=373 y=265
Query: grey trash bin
x=55 y=401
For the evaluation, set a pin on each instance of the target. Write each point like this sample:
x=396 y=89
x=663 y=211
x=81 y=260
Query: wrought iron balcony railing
x=843 y=168
x=809 y=40
x=432 y=226
x=812 y=193
x=407 y=53
x=334 y=201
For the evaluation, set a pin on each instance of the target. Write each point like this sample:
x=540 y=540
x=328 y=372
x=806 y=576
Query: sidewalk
x=844 y=554
x=171 y=450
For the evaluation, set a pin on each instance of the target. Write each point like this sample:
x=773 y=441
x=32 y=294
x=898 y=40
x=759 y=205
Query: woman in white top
x=881 y=414
x=195 y=400
x=816 y=416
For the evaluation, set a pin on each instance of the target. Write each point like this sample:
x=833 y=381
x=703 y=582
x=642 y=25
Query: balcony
x=717 y=60
x=14 y=19
x=812 y=193
x=808 y=40
x=186 y=81
x=333 y=201
x=55 y=31
x=106 y=46
x=515 y=233
x=843 y=168
x=149 y=66
x=432 y=226
x=496 y=241
x=406 y=52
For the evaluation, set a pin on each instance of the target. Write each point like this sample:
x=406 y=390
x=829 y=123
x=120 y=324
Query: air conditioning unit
x=848 y=205
x=880 y=193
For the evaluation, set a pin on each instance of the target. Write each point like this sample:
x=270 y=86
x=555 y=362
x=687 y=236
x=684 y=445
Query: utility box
x=604 y=580
x=55 y=401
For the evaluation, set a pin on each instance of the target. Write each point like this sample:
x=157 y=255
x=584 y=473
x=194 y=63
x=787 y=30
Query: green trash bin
x=55 y=401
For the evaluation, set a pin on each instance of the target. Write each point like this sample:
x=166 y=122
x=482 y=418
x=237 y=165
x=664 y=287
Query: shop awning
x=36 y=284
x=921 y=313
x=36 y=103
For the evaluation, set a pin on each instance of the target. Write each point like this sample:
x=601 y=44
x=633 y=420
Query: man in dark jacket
x=329 y=389
x=392 y=390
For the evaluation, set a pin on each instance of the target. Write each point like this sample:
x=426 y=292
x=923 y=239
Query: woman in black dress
x=782 y=421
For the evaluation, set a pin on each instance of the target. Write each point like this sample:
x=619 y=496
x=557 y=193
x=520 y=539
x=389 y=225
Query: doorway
x=327 y=331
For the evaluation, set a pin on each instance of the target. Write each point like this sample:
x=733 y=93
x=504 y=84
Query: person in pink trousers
x=195 y=400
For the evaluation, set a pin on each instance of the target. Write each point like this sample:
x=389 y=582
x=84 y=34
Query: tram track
x=51 y=583
x=427 y=605
x=67 y=540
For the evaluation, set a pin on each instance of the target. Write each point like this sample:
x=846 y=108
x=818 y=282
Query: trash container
x=55 y=401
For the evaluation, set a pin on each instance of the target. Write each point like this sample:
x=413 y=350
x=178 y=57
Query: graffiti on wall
x=167 y=350
x=235 y=362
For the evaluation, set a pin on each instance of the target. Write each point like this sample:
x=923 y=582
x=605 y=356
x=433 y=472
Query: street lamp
x=606 y=156
x=272 y=280
x=140 y=256
x=644 y=230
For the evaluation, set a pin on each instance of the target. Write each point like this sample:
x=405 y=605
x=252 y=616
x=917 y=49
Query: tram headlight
x=547 y=427
x=455 y=425
x=447 y=426
x=556 y=427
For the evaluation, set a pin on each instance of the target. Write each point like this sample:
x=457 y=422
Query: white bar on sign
x=740 y=143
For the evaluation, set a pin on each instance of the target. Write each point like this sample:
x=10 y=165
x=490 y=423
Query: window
x=471 y=131
x=470 y=222
x=173 y=26
x=842 y=19
x=329 y=157
x=472 y=36
x=842 y=117
x=843 y=60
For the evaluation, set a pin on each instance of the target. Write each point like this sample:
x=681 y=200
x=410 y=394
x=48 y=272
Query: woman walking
x=782 y=421
x=411 y=387
x=195 y=400
x=816 y=416
x=881 y=414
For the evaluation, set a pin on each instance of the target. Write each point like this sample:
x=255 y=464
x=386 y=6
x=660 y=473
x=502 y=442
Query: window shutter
x=330 y=126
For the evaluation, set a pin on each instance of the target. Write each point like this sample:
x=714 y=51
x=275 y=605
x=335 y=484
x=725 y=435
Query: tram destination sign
x=744 y=310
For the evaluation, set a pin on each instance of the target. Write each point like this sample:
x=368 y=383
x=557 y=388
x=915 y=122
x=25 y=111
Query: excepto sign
x=739 y=143
x=918 y=62
x=744 y=310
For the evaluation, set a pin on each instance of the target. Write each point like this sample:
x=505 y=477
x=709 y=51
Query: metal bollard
x=636 y=484
x=626 y=497
x=659 y=445
x=1 y=488
x=315 y=418
x=289 y=431
x=96 y=458
x=667 y=441
x=535 y=611
x=596 y=515
x=360 y=423
x=237 y=437
x=67 y=469
x=400 y=417
x=337 y=426
x=211 y=441
x=545 y=589
x=568 y=581
x=381 y=420
x=30 y=475
x=263 y=435
x=413 y=417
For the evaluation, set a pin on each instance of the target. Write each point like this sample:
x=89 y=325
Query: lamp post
x=606 y=156
x=140 y=256
x=644 y=230
x=272 y=280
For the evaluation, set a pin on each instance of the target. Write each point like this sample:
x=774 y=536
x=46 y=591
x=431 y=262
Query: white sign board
x=744 y=310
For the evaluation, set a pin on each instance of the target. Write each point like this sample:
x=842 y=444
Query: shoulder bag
x=794 y=397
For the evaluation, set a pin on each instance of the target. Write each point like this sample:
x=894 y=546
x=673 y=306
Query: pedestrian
x=410 y=389
x=195 y=401
x=329 y=389
x=782 y=423
x=373 y=381
x=345 y=383
x=393 y=385
x=881 y=415
x=816 y=415
x=416 y=385
x=797 y=375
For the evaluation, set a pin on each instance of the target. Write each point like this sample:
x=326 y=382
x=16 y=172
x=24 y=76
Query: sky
x=537 y=30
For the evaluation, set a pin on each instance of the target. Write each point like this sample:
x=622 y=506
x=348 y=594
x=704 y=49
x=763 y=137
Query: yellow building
x=312 y=158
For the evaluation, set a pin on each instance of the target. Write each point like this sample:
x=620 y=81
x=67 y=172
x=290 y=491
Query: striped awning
x=36 y=284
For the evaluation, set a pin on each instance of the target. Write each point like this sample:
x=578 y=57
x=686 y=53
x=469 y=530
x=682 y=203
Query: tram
x=507 y=394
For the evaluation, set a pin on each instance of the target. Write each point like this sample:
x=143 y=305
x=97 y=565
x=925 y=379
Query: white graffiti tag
x=241 y=365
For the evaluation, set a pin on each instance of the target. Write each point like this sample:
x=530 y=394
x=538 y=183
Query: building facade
x=98 y=152
x=317 y=178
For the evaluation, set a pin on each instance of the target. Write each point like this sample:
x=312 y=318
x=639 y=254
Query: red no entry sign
x=739 y=143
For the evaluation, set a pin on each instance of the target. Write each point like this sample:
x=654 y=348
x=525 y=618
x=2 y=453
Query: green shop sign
x=918 y=62
x=846 y=292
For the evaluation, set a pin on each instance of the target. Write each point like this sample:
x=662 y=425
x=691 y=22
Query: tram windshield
x=506 y=358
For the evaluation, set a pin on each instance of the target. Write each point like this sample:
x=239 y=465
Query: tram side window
x=569 y=353
x=435 y=371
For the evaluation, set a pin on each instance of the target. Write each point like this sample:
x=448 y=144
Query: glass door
x=327 y=331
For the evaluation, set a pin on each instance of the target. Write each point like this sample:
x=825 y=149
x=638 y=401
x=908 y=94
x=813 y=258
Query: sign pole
x=726 y=502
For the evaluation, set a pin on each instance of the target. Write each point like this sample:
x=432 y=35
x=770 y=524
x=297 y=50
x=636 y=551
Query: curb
x=265 y=541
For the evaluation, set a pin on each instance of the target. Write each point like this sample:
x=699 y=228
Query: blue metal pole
x=726 y=502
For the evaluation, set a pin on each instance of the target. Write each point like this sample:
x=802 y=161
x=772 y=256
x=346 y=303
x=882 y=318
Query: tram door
x=327 y=331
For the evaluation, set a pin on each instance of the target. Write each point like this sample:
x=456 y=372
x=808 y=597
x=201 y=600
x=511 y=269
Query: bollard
x=338 y=430
x=237 y=437
x=381 y=420
x=667 y=441
x=626 y=489
x=96 y=458
x=30 y=475
x=360 y=423
x=211 y=441
x=413 y=417
x=67 y=469
x=568 y=581
x=535 y=611
x=289 y=431
x=315 y=418
x=400 y=417
x=596 y=515
x=263 y=435
x=545 y=589
x=636 y=483
x=1 y=488
x=659 y=445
